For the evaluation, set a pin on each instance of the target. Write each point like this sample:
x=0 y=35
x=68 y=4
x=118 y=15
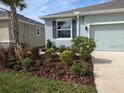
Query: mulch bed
x=60 y=71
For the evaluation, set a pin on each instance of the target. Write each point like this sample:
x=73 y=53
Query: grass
x=26 y=83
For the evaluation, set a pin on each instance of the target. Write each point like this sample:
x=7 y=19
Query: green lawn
x=25 y=83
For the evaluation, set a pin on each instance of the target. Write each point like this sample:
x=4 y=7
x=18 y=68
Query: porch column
x=78 y=23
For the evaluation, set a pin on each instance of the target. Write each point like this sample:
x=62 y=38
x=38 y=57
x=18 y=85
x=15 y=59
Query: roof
x=113 y=4
x=4 y=13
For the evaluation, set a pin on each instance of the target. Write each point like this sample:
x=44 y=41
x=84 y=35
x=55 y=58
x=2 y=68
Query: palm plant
x=14 y=5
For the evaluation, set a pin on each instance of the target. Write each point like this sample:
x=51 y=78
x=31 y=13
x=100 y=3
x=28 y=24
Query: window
x=64 y=29
x=38 y=32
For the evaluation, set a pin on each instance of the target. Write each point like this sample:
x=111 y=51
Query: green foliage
x=35 y=51
x=24 y=45
x=46 y=63
x=77 y=67
x=86 y=55
x=32 y=69
x=84 y=46
x=11 y=51
x=26 y=83
x=61 y=72
x=49 y=44
x=17 y=67
x=4 y=56
x=20 y=4
x=62 y=48
x=56 y=48
x=67 y=56
x=27 y=63
x=48 y=56
x=48 y=53
x=40 y=61
x=52 y=50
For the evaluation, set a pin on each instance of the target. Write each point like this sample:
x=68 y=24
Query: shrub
x=3 y=57
x=49 y=44
x=46 y=63
x=48 y=53
x=21 y=54
x=84 y=46
x=62 y=48
x=52 y=50
x=11 y=52
x=48 y=56
x=56 y=48
x=35 y=53
x=27 y=63
x=78 y=67
x=24 y=45
x=33 y=69
x=86 y=55
x=8 y=57
x=61 y=72
x=17 y=67
x=39 y=62
x=67 y=56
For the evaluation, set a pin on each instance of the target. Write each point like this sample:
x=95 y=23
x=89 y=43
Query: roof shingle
x=114 y=4
x=6 y=13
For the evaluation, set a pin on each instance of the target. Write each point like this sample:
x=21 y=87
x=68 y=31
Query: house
x=103 y=22
x=31 y=32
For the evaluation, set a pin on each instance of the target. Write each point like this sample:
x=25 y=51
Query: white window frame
x=38 y=28
x=61 y=20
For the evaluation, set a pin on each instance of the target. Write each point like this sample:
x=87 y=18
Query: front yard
x=56 y=70
x=26 y=83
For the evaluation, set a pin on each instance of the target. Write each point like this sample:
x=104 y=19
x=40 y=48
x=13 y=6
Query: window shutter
x=74 y=28
x=54 y=29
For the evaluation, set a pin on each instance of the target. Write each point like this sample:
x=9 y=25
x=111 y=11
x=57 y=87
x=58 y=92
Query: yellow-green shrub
x=67 y=56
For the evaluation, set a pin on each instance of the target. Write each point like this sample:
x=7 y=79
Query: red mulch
x=60 y=71
x=54 y=69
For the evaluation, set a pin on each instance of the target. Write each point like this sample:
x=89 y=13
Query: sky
x=38 y=8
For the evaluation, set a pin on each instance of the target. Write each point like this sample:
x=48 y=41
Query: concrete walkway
x=109 y=71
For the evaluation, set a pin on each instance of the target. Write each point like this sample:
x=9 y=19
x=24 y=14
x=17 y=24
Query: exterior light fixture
x=86 y=28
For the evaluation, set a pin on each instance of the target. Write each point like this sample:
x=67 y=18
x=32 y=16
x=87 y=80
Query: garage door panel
x=108 y=37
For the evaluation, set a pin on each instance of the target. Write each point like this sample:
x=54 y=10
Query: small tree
x=84 y=46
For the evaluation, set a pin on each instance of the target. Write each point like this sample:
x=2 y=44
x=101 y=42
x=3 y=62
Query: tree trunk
x=14 y=25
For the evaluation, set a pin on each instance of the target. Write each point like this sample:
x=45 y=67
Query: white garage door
x=108 y=37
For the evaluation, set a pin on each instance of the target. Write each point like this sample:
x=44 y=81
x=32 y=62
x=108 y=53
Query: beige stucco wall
x=4 y=31
x=27 y=33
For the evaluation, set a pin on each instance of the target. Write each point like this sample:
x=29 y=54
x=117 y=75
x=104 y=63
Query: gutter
x=85 y=13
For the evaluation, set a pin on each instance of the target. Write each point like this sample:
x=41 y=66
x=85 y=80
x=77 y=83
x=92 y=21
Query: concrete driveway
x=109 y=71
